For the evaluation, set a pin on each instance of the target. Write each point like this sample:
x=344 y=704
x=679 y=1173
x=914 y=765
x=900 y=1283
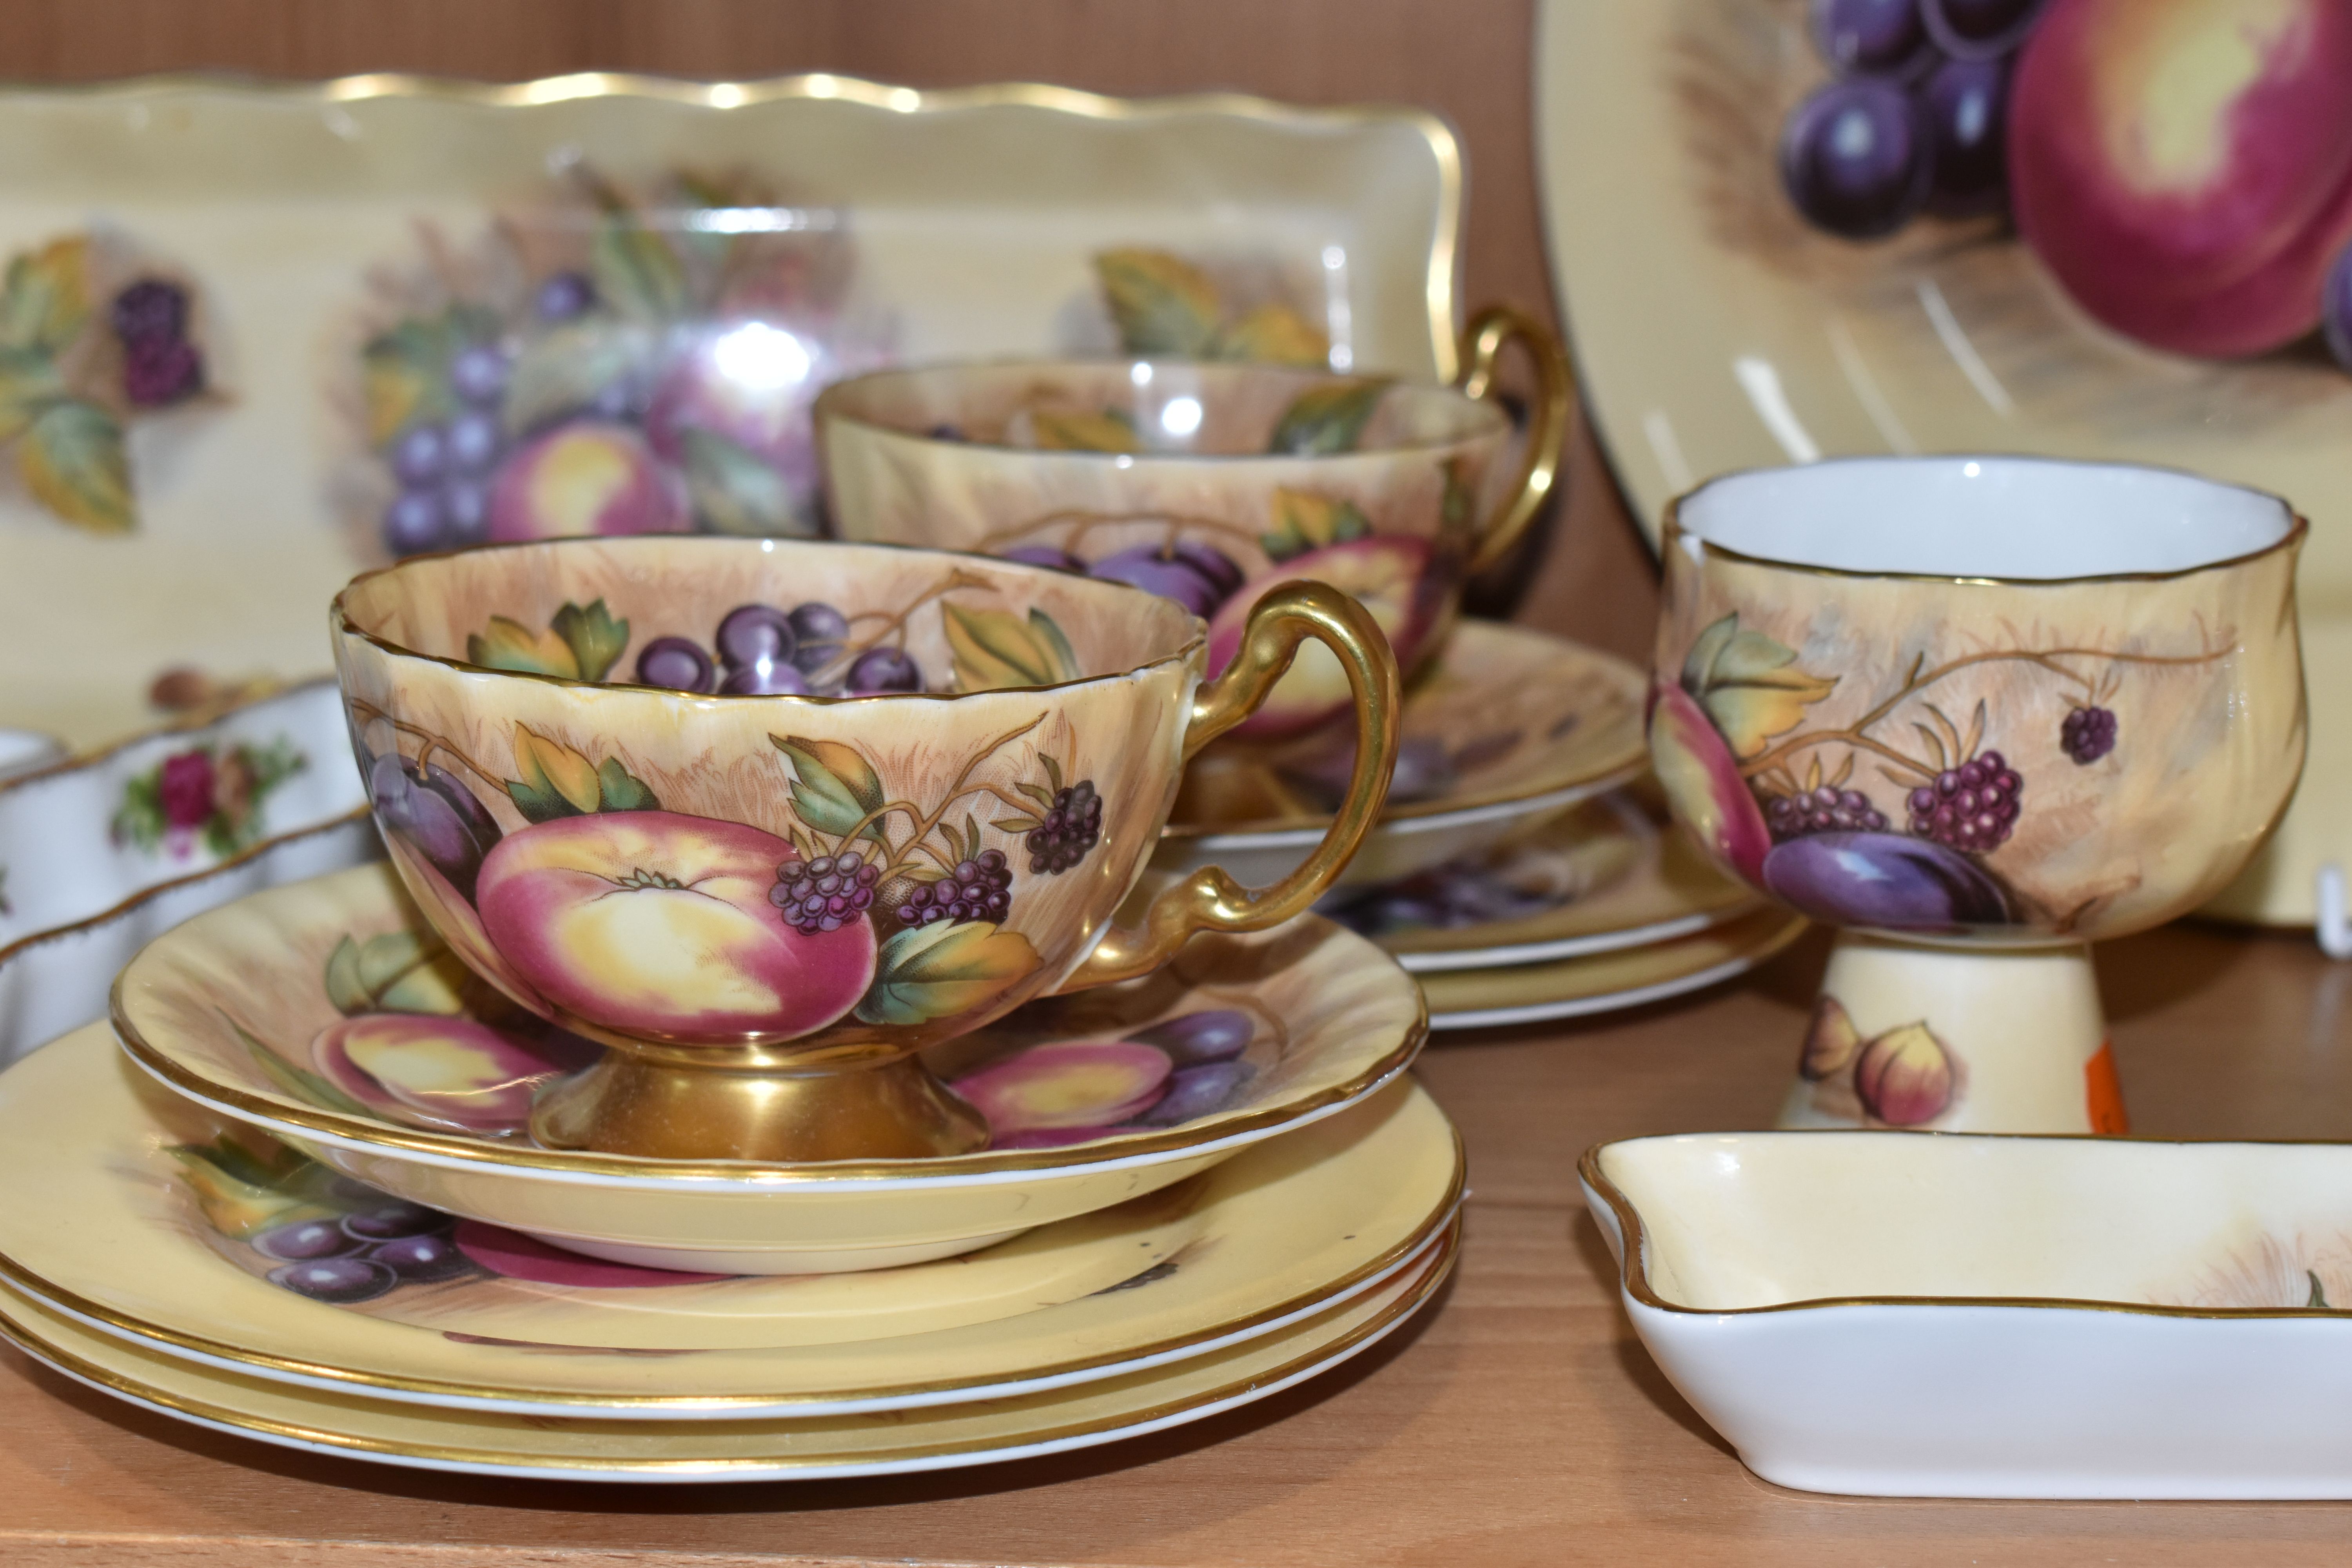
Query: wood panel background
x=1468 y=61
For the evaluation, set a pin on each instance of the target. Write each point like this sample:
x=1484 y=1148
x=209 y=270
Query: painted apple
x=1389 y=574
x=453 y=917
x=1702 y=781
x=2184 y=167
x=589 y=477
x=433 y=1070
x=658 y=925
x=752 y=383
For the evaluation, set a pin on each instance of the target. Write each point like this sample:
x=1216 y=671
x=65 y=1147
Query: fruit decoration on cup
x=2182 y=169
x=766 y=900
x=2027 y=720
x=1208 y=483
x=607 y=362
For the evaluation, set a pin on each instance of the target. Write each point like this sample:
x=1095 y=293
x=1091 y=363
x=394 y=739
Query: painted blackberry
x=1073 y=825
x=1973 y=807
x=2088 y=734
x=151 y=308
x=1823 y=810
x=826 y=893
x=978 y=889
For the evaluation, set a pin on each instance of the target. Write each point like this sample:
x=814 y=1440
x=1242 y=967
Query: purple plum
x=1885 y=880
x=1164 y=572
x=1192 y=1038
x=435 y=815
x=1051 y=555
x=1197 y=1091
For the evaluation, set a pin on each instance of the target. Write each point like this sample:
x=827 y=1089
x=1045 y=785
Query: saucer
x=1612 y=873
x=1573 y=988
x=877 y=1442
x=323 y=1013
x=1509 y=726
x=232 y=1233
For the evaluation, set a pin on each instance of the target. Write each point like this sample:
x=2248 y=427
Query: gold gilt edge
x=1072 y=1157
x=70 y=1303
x=1438 y=285
x=1634 y=1273
x=1324 y=1355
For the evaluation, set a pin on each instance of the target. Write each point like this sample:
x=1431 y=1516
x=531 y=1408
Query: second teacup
x=765 y=904
x=1209 y=483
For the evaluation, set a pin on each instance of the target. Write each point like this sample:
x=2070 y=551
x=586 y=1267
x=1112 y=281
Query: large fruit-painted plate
x=1718 y=329
x=255 y=328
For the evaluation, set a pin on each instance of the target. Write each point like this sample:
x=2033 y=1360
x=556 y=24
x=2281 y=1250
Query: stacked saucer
x=316 y=1218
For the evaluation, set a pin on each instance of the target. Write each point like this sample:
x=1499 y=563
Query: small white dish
x=1901 y=1314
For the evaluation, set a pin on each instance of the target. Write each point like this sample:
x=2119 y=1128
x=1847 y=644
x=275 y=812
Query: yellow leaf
x=1275 y=334
x=1161 y=304
x=72 y=457
x=511 y=645
x=47 y=296
x=1065 y=431
x=940 y=970
x=394 y=389
x=543 y=764
x=1748 y=684
x=996 y=649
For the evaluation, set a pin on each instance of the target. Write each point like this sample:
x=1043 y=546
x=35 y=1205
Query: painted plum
x=1884 y=880
x=656 y=925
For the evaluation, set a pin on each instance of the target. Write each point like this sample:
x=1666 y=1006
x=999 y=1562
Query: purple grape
x=472 y=442
x=421 y=1260
x=1977 y=29
x=1869 y=38
x=1222 y=571
x=338 y=1280
x=1825 y=809
x=2336 y=309
x=765 y=677
x=1884 y=880
x=826 y=893
x=414 y=522
x=754 y=634
x=435 y=815
x=565 y=296
x=818 y=631
x=1193 y=1038
x=305 y=1240
x=465 y=513
x=478 y=375
x=420 y=454
x=1967 y=107
x=1856 y=159
x=1051 y=555
x=149 y=310
x=393 y=1218
x=1198 y=1091
x=880 y=669
x=1158 y=572
x=158 y=371
x=1973 y=807
x=678 y=663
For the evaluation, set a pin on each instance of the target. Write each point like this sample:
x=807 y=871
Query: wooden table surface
x=1518 y=1422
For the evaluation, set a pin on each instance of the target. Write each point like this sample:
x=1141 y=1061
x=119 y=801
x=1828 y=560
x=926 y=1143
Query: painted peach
x=658 y=925
x=1389 y=574
x=442 y=1071
x=1702 y=781
x=2185 y=166
x=589 y=477
x=1067 y=1085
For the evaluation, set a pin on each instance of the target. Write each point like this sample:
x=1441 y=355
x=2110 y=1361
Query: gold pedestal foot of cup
x=1957 y=1039
x=735 y=1106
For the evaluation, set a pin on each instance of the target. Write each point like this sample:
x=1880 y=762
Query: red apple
x=1389 y=574
x=658 y=925
x=1701 y=778
x=453 y=919
x=591 y=477
x=2184 y=167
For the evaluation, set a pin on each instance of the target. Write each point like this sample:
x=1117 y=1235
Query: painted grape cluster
x=765 y=651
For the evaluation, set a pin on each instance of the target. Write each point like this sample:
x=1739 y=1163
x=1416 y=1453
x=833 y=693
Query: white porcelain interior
x=22 y=751
x=2024 y=519
x=1912 y=1314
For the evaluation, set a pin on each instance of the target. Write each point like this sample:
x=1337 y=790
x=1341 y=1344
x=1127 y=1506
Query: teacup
x=1210 y=483
x=1979 y=712
x=764 y=904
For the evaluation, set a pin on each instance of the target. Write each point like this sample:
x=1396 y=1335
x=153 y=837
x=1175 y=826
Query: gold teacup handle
x=1210 y=900
x=1483 y=343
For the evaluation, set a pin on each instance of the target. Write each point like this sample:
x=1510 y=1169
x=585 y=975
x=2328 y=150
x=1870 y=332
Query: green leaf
x=1305 y=521
x=735 y=492
x=567 y=368
x=1038 y=793
x=345 y=987
x=1273 y=335
x=1016 y=824
x=834 y=788
x=620 y=790
x=1748 y=684
x=635 y=269
x=1326 y=419
x=943 y=969
x=971 y=838
x=509 y=644
x=594 y=637
x=1053 y=776
x=993 y=649
x=46 y=298
x=29 y=384
x=140 y=818
x=71 y=459
x=405 y=374
x=1159 y=304
x=553 y=780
